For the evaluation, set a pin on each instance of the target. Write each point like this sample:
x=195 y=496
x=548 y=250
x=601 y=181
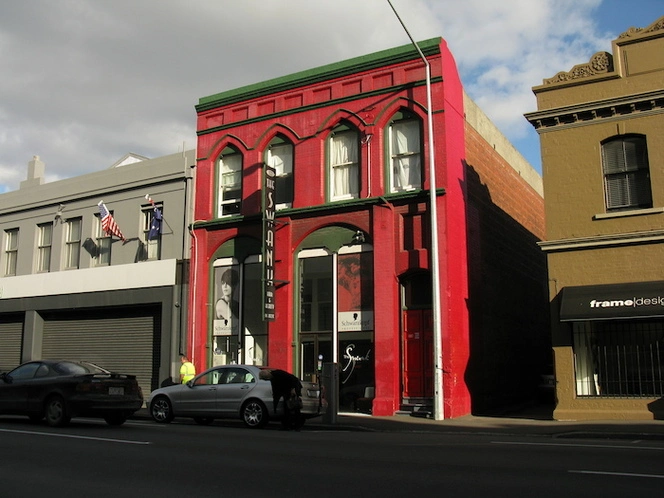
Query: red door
x=417 y=354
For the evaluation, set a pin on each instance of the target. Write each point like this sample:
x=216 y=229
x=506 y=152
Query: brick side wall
x=509 y=343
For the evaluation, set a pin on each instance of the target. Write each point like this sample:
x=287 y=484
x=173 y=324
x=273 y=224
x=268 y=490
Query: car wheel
x=115 y=418
x=57 y=412
x=254 y=414
x=161 y=410
x=203 y=420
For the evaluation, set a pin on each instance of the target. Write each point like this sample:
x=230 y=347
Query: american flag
x=108 y=223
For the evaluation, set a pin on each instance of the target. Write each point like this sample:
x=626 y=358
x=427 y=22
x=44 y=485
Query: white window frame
x=103 y=242
x=74 y=227
x=44 y=246
x=11 y=251
x=229 y=178
x=152 y=247
x=344 y=161
x=405 y=155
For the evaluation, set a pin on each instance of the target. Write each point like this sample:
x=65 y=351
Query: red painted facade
x=303 y=109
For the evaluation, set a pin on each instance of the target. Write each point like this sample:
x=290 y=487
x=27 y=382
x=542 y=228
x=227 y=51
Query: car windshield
x=78 y=368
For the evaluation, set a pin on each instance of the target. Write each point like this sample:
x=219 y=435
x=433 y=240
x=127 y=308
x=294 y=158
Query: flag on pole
x=155 y=224
x=108 y=223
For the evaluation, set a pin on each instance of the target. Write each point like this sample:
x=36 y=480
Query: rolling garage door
x=121 y=344
x=11 y=334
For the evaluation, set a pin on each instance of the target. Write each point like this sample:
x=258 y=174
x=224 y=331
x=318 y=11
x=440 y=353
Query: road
x=145 y=459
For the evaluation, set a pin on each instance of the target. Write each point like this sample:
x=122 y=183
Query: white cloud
x=86 y=81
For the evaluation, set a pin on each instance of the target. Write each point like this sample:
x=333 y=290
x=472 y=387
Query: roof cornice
x=319 y=74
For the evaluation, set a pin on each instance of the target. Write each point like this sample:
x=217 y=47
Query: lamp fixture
x=358 y=237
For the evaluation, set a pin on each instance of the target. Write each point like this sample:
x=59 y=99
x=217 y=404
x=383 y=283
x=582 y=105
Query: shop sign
x=268 y=243
x=605 y=302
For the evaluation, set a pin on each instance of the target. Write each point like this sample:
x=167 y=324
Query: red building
x=312 y=236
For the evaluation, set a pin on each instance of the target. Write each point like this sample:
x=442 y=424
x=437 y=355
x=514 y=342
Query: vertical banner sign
x=268 y=243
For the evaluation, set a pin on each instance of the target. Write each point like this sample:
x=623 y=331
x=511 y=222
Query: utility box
x=330 y=385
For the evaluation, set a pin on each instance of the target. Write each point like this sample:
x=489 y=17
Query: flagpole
x=439 y=411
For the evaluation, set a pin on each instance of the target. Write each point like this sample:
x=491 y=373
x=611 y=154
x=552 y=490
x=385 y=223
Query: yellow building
x=601 y=128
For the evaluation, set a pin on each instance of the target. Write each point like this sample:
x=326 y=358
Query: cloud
x=86 y=81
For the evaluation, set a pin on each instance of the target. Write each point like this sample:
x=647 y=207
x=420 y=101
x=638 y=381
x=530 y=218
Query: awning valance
x=615 y=301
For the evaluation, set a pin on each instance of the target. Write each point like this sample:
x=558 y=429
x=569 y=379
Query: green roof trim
x=319 y=74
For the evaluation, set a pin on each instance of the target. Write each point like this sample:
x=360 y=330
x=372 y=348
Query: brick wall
x=508 y=301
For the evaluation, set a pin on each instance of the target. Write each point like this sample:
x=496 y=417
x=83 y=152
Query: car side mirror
x=190 y=383
x=6 y=378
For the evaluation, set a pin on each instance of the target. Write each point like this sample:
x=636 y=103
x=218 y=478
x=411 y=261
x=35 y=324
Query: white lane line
x=581 y=445
x=625 y=474
x=73 y=436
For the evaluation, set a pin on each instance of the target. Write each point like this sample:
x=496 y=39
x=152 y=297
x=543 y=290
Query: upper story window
x=44 y=243
x=11 y=251
x=343 y=146
x=405 y=141
x=103 y=241
x=73 y=242
x=152 y=220
x=626 y=173
x=229 y=178
x=280 y=157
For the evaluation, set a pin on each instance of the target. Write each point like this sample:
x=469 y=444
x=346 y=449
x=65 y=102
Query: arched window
x=229 y=180
x=279 y=155
x=626 y=173
x=405 y=143
x=344 y=163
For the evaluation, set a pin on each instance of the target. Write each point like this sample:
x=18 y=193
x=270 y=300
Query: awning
x=606 y=302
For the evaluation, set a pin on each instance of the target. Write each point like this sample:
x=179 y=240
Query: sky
x=85 y=82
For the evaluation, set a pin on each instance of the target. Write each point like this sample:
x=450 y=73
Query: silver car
x=228 y=391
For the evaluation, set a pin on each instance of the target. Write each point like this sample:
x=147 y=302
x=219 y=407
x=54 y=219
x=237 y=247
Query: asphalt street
x=143 y=458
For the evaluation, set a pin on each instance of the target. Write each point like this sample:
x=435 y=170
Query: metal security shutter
x=123 y=345
x=10 y=345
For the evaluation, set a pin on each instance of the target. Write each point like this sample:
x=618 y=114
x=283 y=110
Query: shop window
x=336 y=320
x=73 y=242
x=619 y=359
x=626 y=173
x=239 y=332
x=280 y=157
x=405 y=145
x=316 y=294
x=44 y=243
x=229 y=178
x=343 y=147
x=11 y=251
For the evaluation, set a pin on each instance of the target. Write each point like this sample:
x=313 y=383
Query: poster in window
x=227 y=306
x=355 y=292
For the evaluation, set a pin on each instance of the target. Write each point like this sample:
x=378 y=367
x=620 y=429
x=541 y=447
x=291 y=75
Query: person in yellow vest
x=187 y=370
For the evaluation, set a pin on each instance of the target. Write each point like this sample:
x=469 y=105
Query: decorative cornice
x=631 y=32
x=600 y=63
x=604 y=110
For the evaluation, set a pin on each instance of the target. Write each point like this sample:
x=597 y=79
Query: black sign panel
x=268 y=243
x=606 y=302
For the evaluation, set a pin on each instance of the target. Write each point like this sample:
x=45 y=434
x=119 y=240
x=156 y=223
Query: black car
x=60 y=390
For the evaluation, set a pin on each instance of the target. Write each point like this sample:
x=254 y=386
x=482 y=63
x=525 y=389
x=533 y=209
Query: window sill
x=623 y=214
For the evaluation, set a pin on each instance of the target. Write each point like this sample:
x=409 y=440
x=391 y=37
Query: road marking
x=581 y=445
x=625 y=474
x=74 y=436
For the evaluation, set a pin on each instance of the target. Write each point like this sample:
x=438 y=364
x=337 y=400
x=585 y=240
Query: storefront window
x=239 y=333
x=619 y=358
x=337 y=320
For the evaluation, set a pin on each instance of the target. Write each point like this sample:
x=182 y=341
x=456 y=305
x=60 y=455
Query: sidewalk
x=529 y=421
